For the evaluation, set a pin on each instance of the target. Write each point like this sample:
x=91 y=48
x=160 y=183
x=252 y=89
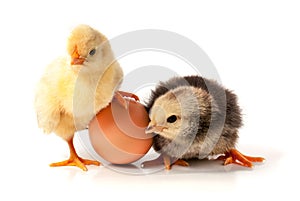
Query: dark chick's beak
x=154 y=129
x=149 y=130
x=76 y=58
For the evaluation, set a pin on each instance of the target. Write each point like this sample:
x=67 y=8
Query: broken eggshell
x=117 y=133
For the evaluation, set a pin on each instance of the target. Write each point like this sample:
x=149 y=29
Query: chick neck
x=89 y=77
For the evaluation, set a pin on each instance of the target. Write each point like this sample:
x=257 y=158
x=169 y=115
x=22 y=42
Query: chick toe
x=181 y=162
x=236 y=157
x=74 y=159
x=77 y=161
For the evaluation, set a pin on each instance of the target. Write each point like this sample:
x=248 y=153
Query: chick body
x=76 y=87
x=66 y=101
x=207 y=118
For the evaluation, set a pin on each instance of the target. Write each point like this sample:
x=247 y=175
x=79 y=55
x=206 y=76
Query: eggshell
x=117 y=133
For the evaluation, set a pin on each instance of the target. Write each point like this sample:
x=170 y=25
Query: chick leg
x=74 y=159
x=167 y=162
x=236 y=157
x=119 y=98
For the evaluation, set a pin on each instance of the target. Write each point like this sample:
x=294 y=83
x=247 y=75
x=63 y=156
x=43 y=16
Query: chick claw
x=130 y=95
x=76 y=161
x=235 y=157
x=169 y=164
x=119 y=96
x=181 y=162
x=167 y=161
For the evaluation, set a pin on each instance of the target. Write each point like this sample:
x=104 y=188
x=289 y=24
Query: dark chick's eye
x=171 y=119
x=92 y=52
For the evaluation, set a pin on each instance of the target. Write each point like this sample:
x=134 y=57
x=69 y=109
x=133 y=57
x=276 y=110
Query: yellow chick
x=75 y=88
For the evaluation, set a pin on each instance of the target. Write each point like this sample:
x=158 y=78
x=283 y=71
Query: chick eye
x=92 y=52
x=171 y=119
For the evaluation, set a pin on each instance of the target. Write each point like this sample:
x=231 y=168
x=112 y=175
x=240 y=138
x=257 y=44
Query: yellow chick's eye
x=171 y=119
x=92 y=52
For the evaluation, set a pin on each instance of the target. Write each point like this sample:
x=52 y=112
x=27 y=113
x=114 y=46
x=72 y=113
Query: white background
x=255 y=46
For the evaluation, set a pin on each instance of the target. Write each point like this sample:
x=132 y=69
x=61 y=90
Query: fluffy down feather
x=208 y=117
x=76 y=87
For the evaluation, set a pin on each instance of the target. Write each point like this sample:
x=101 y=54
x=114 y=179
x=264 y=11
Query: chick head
x=87 y=48
x=175 y=115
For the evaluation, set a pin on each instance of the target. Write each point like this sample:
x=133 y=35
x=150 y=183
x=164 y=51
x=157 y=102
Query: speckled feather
x=217 y=129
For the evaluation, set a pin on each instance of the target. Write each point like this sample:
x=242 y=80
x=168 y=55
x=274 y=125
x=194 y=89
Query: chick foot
x=168 y=163
x=119 y=97
x=129 y=95
x=75 y=160
x=235 y=157
x=166 y=160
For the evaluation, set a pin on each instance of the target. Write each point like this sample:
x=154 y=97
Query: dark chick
x=194 y=117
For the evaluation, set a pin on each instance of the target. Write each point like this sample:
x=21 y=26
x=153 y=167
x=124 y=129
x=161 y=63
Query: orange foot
x=74 y=159
x=119 y=96
x=128 y=94
x=234 y=156
x=167 y=161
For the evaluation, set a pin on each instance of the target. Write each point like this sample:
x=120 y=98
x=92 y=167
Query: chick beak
x=76 y=58
x=154 y=129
